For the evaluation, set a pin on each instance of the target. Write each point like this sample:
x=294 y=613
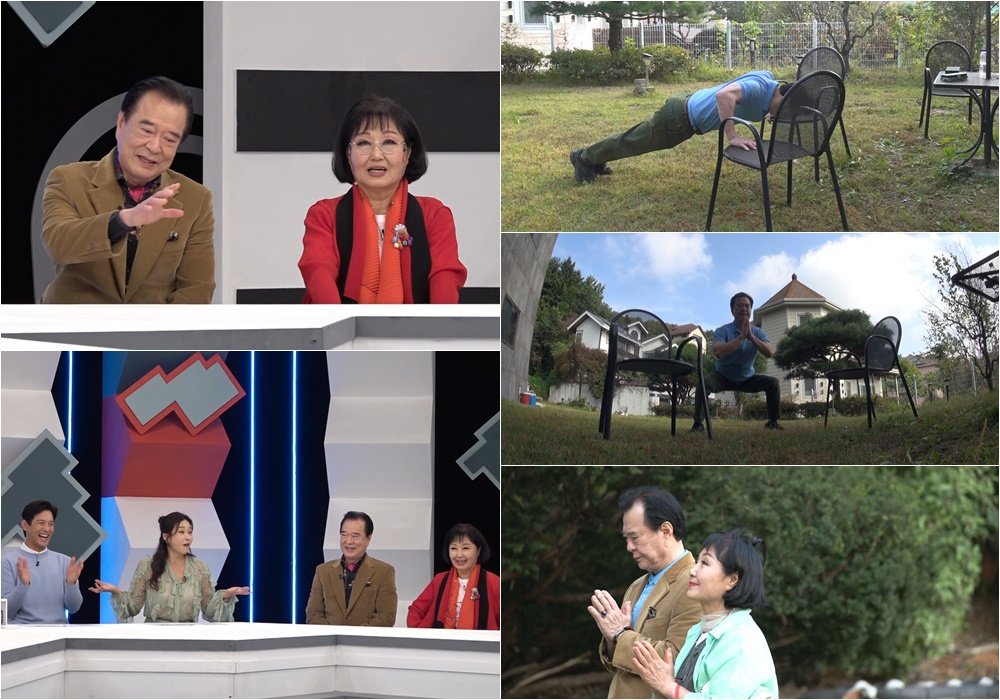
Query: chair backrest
x=822 y=58
x=809 y=112
x=882 y=345
x=944 y=54
x=639 y=333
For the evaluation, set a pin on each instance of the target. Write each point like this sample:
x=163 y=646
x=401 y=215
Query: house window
x=809 y=389
x=579 y=337
x=804 y=317
x=534 y=13
x=509 y=315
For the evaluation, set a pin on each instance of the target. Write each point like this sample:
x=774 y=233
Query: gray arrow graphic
x=42 y=471
x=48 y=20
x=484 y=456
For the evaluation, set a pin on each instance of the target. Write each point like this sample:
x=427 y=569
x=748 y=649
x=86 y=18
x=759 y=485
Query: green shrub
x=597 y=67
x=518 y=62
x=812 y=409
x=756 y=409
x=869 y=569
x=668 y=62
x=684 y=410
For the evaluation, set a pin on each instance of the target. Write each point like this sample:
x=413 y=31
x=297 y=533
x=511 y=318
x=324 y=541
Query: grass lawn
x=961 y=431
x=897 y=181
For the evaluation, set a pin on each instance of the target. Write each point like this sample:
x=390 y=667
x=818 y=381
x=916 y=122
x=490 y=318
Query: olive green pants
x=668 y=127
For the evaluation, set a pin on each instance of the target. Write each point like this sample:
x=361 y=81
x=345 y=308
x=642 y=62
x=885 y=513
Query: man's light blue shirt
x=650 y=585
x=737 y=366
x=758 y=88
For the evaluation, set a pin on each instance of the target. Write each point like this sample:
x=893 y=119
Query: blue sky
x=689 y=278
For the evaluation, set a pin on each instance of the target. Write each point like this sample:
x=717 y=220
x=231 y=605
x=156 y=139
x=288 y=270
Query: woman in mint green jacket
x=725 y=655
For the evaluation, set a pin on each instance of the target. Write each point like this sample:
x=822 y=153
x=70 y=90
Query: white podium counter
x=254 y=327
x=244 y=660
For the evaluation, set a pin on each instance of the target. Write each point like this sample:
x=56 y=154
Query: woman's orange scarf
x=381 y=280
x=466 y=619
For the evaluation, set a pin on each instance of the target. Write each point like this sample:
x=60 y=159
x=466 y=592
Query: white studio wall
x=261 y=198
x=27 y=404
x=379 y=450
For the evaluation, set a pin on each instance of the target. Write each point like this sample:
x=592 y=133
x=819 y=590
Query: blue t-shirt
x=758 y=87
x=737 y=365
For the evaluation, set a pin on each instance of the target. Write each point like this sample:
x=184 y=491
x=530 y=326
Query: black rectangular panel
x=293 y=295
x=300 y=111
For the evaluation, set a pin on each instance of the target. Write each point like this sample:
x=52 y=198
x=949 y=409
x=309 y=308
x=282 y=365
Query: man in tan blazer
x=356 y=589
x=127 y=229
x=655 y=606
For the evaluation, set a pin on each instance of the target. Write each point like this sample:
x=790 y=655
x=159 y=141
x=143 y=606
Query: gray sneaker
x=583 y=171
x=602 y=169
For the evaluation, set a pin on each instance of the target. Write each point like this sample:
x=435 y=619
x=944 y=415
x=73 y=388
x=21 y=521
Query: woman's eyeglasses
x=389 y=147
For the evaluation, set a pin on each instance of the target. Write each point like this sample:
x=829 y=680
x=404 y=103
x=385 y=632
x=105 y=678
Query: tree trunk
x=615 y=42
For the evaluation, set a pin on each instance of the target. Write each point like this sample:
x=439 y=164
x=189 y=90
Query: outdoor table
x=979 y=89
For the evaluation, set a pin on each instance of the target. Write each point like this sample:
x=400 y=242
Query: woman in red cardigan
x=467 y=596
x=378 y=244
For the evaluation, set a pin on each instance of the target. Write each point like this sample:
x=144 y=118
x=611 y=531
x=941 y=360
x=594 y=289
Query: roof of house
x=606 y=325
x=795 y=291
x=683 y=329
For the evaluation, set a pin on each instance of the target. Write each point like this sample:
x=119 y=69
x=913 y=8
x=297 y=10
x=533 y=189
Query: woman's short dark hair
x=659 y=506
x=170 y=90
x=460 y=530
x=31 y=510
x=358 y=515
x=378 y=111
x=745 y=556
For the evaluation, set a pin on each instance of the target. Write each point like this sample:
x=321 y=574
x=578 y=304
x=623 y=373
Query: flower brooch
x=401 y=237
x=474 y=594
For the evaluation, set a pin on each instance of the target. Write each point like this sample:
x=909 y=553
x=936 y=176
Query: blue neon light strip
x=69 y=406
x=295 y=441
x=253 y=466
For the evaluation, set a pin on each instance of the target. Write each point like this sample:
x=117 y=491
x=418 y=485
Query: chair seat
x=948 y=92
x=783 y=151
x=649 y=365
x=853 y=373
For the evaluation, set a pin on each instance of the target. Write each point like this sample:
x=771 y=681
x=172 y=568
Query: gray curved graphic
x=71 y=147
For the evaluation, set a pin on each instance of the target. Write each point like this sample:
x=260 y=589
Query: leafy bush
x=668 y=62
x=756 y=409
x=602 y=67
x=684 y=410
x=869 y=569
x=518 y=62
x=597 y=67
x=853 y=405
x=812 y=409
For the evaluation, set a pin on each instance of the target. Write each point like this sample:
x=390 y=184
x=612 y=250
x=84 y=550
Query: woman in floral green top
x=172 y=585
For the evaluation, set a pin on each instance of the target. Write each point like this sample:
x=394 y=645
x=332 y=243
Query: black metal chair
x=639 y=341
x=940 y=56
x=802 y=127
x=881 y=356
x=825 y=58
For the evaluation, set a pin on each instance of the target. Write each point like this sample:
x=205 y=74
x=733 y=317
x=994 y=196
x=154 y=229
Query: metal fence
x=764 y=45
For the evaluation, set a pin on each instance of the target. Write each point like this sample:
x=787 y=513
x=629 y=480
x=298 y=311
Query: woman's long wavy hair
x=168 y=526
